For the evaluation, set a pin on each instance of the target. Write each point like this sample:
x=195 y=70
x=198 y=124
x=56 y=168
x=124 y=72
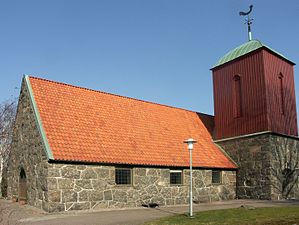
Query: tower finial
x=248 y=21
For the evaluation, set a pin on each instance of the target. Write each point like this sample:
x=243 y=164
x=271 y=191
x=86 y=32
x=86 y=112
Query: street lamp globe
x=190 y=143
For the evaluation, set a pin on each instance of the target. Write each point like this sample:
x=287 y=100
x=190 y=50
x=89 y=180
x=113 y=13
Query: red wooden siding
x=253 y=97
x=260 y=96
x=281 y=100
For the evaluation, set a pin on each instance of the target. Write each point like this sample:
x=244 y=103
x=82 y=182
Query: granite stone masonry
x=27 y=153
x=262 y=159
x=57 y=187
x=75 y=187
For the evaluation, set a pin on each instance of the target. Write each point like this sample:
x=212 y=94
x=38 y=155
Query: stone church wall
x=77 y=187
x=258 y=159
x=27 y=153
x=285 y=158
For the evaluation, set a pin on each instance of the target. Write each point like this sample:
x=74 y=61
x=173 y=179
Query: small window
x=237 y=96
x=176 y=177
x=281 y=90
x=123 y=176
x=216 y=176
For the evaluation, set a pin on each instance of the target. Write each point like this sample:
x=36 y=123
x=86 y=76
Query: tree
x=285 y=167
x=7 y=117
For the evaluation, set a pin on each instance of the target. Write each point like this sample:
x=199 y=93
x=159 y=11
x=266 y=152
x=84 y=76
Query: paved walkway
x=14 y=214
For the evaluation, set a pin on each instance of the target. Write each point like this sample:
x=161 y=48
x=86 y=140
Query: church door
x=22 y=187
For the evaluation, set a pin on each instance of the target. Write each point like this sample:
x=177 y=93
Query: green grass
x=239 y=216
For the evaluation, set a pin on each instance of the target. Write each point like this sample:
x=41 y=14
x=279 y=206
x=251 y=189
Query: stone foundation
x=284 y=157
x=258 y=159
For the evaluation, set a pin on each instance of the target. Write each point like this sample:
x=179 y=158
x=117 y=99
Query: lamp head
x=190 y=143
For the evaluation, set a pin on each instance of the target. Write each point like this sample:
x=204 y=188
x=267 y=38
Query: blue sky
x=157 y=50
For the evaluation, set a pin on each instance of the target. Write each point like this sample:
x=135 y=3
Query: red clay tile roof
x=91 y=126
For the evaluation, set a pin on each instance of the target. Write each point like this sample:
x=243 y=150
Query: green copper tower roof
x=244 y=49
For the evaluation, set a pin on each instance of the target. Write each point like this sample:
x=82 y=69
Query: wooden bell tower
x=256 y=120
x=254 y=92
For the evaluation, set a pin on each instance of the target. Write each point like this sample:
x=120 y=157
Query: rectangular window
x=216 y=176
x=123 y=176
x=237 y=97
x=281 y=93
x=176 y=177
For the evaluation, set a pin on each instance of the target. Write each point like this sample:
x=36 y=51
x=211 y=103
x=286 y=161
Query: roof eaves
x=279 y=54
x=38 y=120
x=233 y=167
x=255 y=134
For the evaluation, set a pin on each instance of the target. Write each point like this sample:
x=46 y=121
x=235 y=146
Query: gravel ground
x=12 y=212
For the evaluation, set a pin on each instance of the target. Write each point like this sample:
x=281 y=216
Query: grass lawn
x=239 y=216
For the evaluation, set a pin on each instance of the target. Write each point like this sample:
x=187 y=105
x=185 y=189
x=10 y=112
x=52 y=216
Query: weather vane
x=248 y=21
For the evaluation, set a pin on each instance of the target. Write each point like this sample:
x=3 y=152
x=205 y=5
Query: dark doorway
x=22 y=187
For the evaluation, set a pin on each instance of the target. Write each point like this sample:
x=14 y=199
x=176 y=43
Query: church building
x=74 y=148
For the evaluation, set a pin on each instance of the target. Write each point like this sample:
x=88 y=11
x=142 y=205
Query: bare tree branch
x=7 y=117
x=284 y=168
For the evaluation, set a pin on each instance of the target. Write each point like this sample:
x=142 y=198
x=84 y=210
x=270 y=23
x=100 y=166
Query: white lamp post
x=190 y=143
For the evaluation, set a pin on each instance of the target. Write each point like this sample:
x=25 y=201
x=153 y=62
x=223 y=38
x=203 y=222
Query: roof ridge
x=117 y=95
